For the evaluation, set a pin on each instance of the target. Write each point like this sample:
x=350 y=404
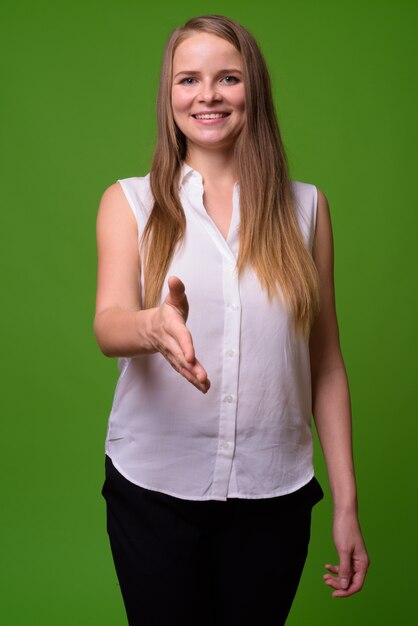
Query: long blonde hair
x=270 y=237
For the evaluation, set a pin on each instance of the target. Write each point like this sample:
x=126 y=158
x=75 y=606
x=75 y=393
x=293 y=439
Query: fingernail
x=344 y=582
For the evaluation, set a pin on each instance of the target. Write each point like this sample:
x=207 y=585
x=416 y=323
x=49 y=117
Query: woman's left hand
x=348 y=577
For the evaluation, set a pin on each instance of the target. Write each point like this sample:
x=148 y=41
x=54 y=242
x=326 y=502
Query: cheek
x=180 y=100
x=237 y=99
x=241 y=100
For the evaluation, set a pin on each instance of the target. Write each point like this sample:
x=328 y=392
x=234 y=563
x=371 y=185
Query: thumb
x=177 y=296
x=344 y=570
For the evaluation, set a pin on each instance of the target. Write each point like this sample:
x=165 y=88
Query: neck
x=213 y=165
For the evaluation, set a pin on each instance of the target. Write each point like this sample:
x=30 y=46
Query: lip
x=215 y=120
x=212 y=111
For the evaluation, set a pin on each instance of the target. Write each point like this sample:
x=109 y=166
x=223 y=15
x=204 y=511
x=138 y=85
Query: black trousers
x=207 y=563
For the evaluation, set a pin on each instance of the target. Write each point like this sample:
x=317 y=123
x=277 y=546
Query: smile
x=209 y=116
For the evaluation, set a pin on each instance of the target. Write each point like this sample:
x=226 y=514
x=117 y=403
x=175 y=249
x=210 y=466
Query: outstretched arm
x=121 y=327
x=332 y=415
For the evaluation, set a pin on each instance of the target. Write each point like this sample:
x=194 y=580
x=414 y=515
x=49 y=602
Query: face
x=208 y=96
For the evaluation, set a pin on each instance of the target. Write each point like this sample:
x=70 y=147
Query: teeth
x=210 y=116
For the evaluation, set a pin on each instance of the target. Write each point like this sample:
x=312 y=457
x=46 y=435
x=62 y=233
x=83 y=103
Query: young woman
x=215 y=290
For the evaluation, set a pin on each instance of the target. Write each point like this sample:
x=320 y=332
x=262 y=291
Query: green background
x=77 y=111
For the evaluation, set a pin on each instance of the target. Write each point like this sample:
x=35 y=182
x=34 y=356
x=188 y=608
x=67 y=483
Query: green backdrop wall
x=79 y=82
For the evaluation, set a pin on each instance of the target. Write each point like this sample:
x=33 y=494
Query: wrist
x=344 y=491
x=345 y=507
x=144 y=324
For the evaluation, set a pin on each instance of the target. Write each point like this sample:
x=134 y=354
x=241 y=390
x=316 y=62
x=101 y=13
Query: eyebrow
x=226 y=70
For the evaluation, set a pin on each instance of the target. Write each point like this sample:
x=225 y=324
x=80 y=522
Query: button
x=224 y=445
x=233 y=306
x=229 y=399
x=230 y=353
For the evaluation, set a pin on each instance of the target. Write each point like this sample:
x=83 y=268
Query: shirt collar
x=187 y=172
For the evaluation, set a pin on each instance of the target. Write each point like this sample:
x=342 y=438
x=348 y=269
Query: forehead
x=205 y=49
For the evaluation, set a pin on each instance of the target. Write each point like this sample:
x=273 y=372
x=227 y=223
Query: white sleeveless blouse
x=250 y=435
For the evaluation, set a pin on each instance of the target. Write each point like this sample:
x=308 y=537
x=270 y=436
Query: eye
x=231 y=80
x=188 y=81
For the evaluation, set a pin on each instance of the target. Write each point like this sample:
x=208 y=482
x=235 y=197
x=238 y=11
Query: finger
x=176 y=287
x=177 y=296
x=327 y=577
x=332 y=582
x=173 y=352
x=344 y=568
x=183 y=337
x=181 y=366
x=178 y=343
x=199 y=374
x=355 y=586
x=340 y=593
x=194 y=373
x=331 y=568
x=203 y=387
x=345 y=593
x=357 y=580
x=200 y=371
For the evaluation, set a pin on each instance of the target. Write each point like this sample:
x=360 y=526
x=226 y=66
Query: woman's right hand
x=171 y=337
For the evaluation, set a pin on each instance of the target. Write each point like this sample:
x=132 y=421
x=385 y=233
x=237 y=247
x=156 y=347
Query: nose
x=209 y=93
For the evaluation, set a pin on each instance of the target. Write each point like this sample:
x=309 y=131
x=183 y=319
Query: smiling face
x=208 y=94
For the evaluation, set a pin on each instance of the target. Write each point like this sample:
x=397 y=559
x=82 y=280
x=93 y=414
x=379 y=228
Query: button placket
x=229 y=386
x=199 y=214
x=232 y=329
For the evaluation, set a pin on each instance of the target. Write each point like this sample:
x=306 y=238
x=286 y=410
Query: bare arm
x=332 y=415
x=121 y=327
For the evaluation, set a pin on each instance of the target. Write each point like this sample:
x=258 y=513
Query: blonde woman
x=215 y=291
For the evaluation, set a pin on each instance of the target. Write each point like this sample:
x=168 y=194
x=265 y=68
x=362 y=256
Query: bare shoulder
x=115 y=213
x=323 y=240
x=323 y=205
x=118 y=255
x=113 y=193
x=114 y=201
x=323 y=217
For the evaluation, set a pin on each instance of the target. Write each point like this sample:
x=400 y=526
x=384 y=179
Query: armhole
x=138 y=209
x=314 y=216
x=132 y=204
x=305 y=197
